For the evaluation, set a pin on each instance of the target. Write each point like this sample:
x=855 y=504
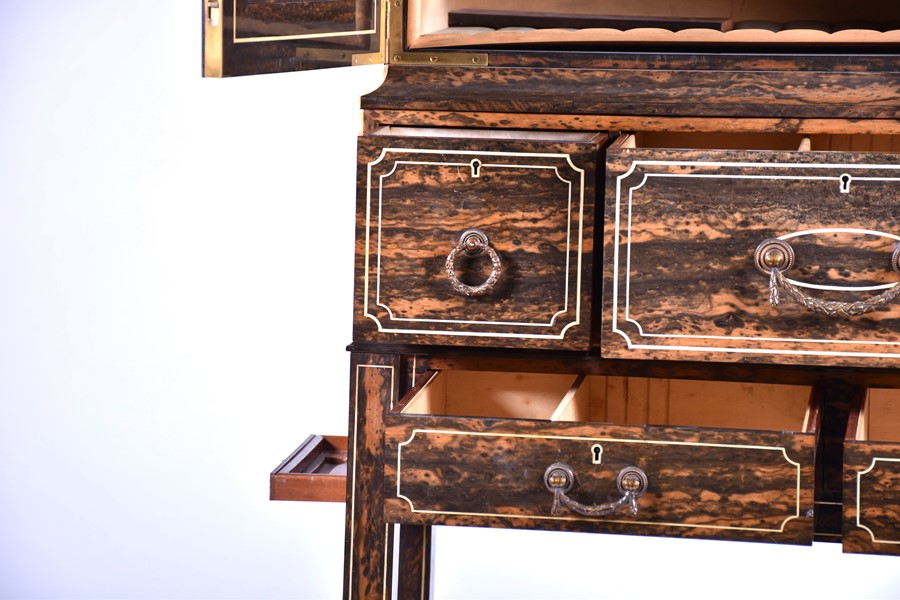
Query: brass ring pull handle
x=473 y=243
x=773 y=257
x=560 y=478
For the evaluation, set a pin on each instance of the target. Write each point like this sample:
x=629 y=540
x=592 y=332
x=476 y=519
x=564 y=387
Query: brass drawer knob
x=560 y=479
x=473 y=243
x=774 y=257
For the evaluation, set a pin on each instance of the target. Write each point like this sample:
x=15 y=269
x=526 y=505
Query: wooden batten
x=767 y=141
x=673 y=402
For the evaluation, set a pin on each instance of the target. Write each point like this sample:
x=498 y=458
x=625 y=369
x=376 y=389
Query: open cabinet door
x=248 y=37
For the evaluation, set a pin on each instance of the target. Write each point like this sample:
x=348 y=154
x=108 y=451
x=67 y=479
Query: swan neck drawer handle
x=774 y=257
x=560 y=479
x=472 y=244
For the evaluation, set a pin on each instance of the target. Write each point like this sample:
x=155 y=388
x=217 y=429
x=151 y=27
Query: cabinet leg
x=414 y=580
x=368 y=550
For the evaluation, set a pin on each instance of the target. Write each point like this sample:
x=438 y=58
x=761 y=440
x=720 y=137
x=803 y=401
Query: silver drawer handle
x=560 y=478
x=473 y=243
x=773 y=257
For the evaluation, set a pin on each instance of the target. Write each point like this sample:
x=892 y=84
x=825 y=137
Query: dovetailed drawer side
x=316 y=471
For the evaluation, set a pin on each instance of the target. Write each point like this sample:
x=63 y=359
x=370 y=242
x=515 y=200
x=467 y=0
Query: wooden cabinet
x=625 y=269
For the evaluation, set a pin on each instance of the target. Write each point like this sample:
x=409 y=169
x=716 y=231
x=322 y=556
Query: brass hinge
x=396 y=55
x=212 y=39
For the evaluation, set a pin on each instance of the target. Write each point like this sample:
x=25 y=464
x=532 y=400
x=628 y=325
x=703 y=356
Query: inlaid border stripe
x=600 y=439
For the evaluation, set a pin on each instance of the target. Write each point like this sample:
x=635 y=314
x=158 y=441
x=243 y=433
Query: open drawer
x=316 y=471
x=611 y=454
x=727 y=248
x=872 y=475
x=468 y=237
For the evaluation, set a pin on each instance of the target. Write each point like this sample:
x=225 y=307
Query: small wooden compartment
x=316 y=471
x=455 y=23
x=687 y=216
x=872 y=475
x=525 y=199
x=723 y=460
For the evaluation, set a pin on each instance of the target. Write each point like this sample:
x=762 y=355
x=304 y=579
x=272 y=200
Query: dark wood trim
x=645 y=92
x=509 y=120
x=414 y=579
x=369 y=539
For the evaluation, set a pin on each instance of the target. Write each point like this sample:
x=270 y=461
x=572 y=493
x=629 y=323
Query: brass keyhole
x=845 y=183
x=596 y=454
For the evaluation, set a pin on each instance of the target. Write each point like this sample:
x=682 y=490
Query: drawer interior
x=447 y=23
x=677 y=402
x=879 y=419
x=762 y=141
x=489 y=394
x=614 y=400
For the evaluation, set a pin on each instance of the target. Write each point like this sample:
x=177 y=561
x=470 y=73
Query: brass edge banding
x=623 y=441
x=859 y=499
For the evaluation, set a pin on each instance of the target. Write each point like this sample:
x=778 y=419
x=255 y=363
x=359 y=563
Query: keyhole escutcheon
x=845 y=183
x=476 y=167
x=596 y=454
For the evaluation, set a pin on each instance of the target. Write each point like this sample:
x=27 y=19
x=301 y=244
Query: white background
x=175 y=302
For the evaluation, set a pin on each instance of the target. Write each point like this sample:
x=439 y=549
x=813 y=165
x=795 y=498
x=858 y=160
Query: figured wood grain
x=368 y=549
x=750 y=485
x=643 y=90
x=679 y=276
x=533 y=199
x=416 y=559
x=871 y=497
x=632 y=123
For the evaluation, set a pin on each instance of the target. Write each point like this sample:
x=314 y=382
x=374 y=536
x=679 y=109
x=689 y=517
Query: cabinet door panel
x=248 y=37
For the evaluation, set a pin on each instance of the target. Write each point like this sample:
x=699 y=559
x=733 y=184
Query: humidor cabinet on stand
x=618 y=269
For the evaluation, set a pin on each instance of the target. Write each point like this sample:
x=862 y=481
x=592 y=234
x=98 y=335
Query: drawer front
x=872 y=497
x=418 y=278
x=701 y=483
x=872 y=475
x=680 y=247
